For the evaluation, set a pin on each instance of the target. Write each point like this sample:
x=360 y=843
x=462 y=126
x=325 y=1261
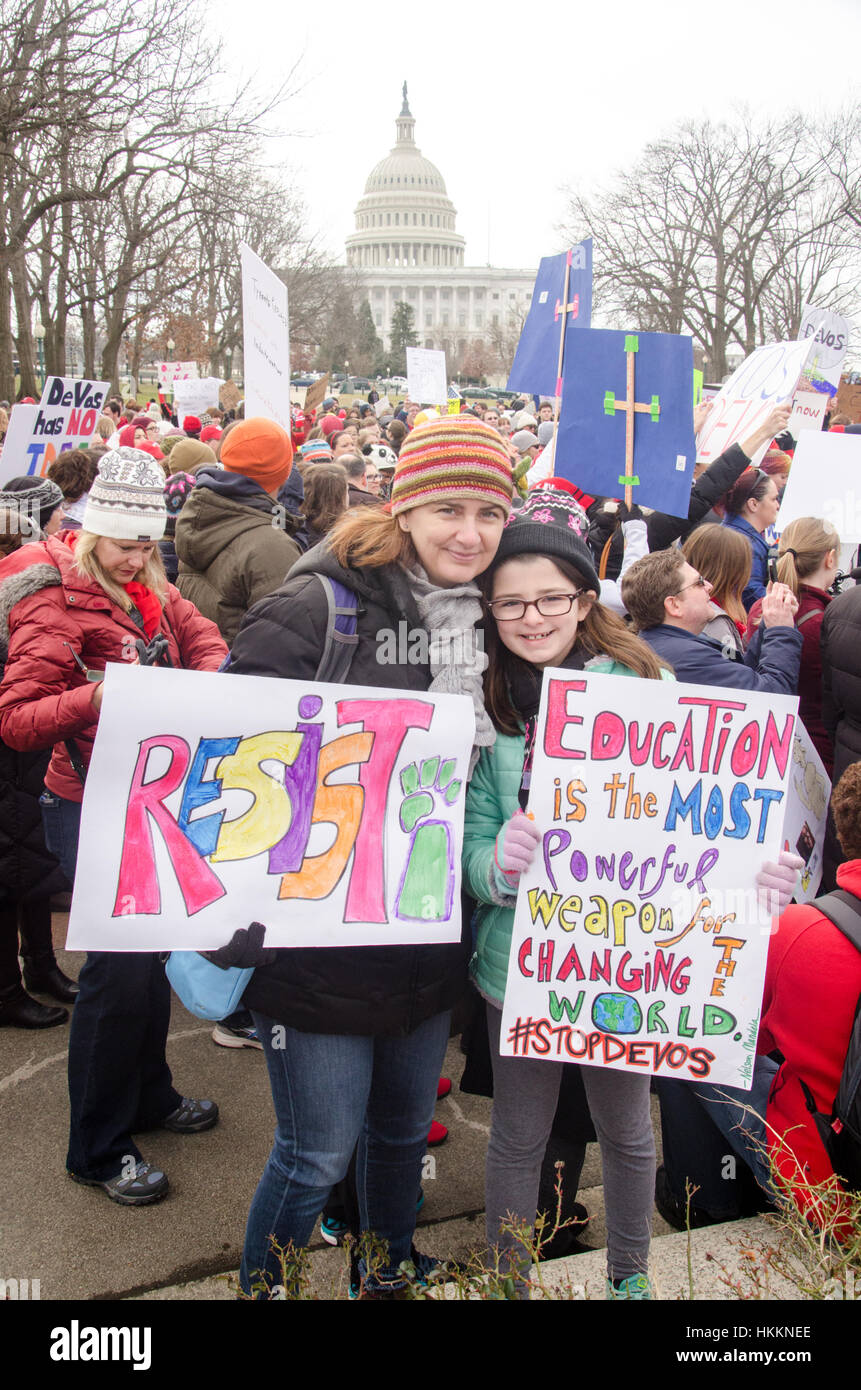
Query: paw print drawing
x=426 y=889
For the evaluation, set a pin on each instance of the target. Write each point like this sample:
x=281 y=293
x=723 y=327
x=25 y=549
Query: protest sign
x=600 y=393
x=382 y=407
x=169 y=372
x=266 y=340
x=638 y=941
x=829 y=333
x=316 y=392
x=427 y=381
x=825 y=480
x=767 y=378
x=333 y=814
x=535 y=368
x=229 y=395
x=195 y=396
x=849 y=399
x=807 y=801
x=808 y=412
x=65 y=418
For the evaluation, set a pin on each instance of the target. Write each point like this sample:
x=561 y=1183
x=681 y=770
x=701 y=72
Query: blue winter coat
x=771 y=662
x=758 y=583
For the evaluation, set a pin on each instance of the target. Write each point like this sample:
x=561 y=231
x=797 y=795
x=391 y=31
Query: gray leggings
x=525 y=1094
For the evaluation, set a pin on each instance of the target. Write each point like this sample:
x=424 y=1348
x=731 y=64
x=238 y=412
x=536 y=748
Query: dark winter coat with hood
x=234 y=545
x=364 y=990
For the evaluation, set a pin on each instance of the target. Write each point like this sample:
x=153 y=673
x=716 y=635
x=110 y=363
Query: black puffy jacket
x=365 y=990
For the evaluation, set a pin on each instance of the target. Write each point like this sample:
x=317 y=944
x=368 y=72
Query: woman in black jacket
x=355 y=1037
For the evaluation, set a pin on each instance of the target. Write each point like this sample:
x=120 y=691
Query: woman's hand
x=776 y=883
x=515 y=846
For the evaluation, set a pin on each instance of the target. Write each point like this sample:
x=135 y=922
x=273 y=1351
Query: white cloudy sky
x=513 y=102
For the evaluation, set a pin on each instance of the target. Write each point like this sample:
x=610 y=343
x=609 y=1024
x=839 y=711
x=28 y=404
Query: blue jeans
x=119 y=1079
x=330 y=1092
x=700 y=1122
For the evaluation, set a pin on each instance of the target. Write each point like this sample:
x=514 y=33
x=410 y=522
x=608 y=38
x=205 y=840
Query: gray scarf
x=456 y=660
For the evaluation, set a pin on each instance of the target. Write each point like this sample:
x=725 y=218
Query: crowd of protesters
x=180 y=539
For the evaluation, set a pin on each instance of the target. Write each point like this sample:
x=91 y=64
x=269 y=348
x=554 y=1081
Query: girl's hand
x=97 y=696
x=515 y=846
x=777 y=882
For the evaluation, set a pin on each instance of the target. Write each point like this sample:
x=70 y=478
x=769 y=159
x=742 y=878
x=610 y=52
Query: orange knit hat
x=260 y=450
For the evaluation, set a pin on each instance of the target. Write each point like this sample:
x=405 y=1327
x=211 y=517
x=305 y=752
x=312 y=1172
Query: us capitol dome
x=406 y=247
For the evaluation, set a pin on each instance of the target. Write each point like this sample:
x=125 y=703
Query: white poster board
x=825 y=481
x=808 y=412
x=65 y=418
x=765 y=379
x=806 y=812
x=266 y=340
x=332 y=814
x=829 y=333
x=427 y=381
x=195 y=395
x=639 y=942
x=169 y=372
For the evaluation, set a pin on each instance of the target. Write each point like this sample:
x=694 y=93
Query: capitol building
x=406 y=247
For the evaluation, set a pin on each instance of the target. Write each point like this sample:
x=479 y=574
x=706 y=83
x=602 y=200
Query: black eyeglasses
x=699 y=583
x=508 y=610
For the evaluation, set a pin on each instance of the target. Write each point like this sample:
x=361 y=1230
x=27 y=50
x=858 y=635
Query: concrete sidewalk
x=80 y=1245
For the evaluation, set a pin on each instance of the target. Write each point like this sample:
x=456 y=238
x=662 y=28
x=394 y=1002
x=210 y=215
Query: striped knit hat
x=126 y=501
x=453 y=456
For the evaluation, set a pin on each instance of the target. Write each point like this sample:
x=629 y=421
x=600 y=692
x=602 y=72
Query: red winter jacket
x=812 y=984
x=812 y=604
x=48 y=612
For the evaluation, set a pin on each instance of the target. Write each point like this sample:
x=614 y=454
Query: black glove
x=244 y=949
x=631 y=513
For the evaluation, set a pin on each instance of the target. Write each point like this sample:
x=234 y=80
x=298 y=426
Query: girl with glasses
x=541 y=593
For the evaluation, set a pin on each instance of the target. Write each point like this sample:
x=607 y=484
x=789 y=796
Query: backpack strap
x=812 y=614
x=844 y=910
x=340 y=640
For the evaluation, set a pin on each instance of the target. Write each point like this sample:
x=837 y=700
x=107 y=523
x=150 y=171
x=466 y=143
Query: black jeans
x=119 y=1079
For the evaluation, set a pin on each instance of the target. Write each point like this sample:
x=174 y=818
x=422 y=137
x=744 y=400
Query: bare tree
x=720 y=231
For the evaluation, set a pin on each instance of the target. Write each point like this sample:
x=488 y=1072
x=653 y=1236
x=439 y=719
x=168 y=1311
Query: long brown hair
x=724 y=558
x=325 y=495
x=600 y=633
x=368 y=537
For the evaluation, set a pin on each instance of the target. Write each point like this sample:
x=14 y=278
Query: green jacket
x=491 y=800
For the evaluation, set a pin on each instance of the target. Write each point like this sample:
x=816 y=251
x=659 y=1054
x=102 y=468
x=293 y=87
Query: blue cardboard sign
x=536 y=361
x=590 y=448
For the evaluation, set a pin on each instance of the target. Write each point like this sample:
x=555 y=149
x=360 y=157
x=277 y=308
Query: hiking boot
x=145 y=1185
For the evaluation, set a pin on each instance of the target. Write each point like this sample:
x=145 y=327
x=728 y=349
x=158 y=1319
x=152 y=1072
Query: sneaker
x=437 y=1134
x=191 y=1116
x=145 y=1185
x=443 y=1087
x=636 y=1286
x=334 y=1230
x=236 y=1037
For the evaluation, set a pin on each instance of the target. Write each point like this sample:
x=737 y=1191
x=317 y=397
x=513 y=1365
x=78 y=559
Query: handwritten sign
x=829 y=334
x=169 y=372
x=196 y=395
x=229 y=395
x=638 y=939
x=332 y=814
x=825 y=481
x=808 y=412
x=426 y=375
x=266 y=340
x=806 y=812
x=316 y=392
x=766 y=378
x=65 y=418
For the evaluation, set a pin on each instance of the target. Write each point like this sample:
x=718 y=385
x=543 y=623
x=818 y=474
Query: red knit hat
x=259 y=449
x=329 y=424
x=455 y=455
